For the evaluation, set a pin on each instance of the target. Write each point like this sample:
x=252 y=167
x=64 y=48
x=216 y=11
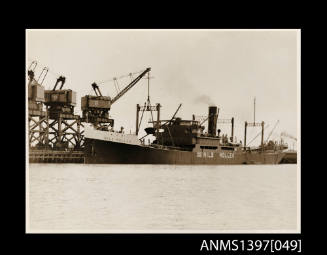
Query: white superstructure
x=111 y=136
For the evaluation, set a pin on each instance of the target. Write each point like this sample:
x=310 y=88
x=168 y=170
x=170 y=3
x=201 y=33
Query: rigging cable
x=257 y=136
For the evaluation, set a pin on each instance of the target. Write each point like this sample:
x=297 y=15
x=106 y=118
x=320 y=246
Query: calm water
x=76 y=197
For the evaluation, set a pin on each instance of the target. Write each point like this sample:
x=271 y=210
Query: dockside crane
x=129 y=86
x=35 y=90
x=60 y=101
x=64 y=125
x=36 y=115
x=57 y=126
x=96 y=108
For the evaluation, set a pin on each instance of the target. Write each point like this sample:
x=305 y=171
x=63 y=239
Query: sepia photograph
x=163 y=130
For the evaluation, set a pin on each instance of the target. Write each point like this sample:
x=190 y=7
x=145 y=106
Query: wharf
x=53 y=156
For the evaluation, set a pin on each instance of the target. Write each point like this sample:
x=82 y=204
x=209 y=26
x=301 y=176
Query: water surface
x=77 y=197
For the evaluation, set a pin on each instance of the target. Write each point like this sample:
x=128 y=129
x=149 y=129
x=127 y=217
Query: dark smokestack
x=212 y=121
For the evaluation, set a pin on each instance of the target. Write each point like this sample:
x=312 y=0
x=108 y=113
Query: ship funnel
x=212 y=120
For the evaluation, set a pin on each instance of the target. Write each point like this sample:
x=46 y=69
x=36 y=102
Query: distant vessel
x=290 y=157
x=291 y=154
x=177 y=142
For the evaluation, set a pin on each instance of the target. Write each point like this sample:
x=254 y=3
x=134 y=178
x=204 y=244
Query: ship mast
x=254 y=124
x=254 y=110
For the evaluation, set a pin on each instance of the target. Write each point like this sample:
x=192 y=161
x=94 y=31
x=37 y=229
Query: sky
x=196 y=68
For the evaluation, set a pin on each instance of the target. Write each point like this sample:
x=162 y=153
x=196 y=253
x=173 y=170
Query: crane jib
x=121 y=93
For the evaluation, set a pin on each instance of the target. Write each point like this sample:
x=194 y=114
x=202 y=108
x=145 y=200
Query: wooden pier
x=51 y=156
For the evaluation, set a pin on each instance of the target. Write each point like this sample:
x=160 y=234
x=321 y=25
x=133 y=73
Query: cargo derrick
x=265 y=145
x=225 y=138
x=96 y=108
x=254 y=124
x=147 y=107
x=64 y=127
x=273 y=145
x=37 y=118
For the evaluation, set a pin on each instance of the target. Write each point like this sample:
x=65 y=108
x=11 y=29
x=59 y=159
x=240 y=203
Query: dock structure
x=64 y=126
x=52 y=156
x=55 y=132
x=37 y=117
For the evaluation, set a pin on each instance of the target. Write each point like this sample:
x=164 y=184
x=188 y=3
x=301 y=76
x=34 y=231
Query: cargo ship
x=177 y=141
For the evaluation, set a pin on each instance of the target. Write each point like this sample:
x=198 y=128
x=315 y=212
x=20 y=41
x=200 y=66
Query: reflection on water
x=76 y=197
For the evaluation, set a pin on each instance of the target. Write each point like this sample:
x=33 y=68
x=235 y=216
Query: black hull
x=289 y=158
x=105 y=152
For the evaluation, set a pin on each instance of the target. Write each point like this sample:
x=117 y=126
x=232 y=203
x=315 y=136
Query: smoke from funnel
x=204 y=99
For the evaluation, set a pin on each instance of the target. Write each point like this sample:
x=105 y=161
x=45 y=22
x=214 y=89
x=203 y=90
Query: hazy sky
x=192 y=67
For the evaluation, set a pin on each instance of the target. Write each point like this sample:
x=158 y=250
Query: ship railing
x=159 y=146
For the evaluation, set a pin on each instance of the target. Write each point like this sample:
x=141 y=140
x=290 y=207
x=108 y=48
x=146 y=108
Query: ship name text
x=226 y=154
x=204 y=154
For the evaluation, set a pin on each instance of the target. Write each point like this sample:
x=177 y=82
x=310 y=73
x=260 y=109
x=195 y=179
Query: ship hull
x=289 y=158
x=107 y=152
